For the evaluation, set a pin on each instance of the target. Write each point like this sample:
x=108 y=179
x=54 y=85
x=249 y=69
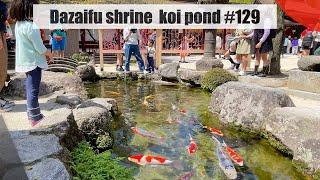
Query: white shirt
x=218 y=42
x=133 y=38
x=300 y=42
x=150 y=51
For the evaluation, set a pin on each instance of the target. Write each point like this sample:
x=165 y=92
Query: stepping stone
x=31 y=148
x=48 y=169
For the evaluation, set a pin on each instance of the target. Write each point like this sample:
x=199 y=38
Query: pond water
x=260 y=160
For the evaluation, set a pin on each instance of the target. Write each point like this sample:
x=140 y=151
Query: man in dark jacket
x=4 y=104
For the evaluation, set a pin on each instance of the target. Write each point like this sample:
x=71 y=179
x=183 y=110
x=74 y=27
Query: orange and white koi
x=192 y=146
x=149 y=160
x=236 y=158
x=183 y=111
x=214 y=131
x=145 y=133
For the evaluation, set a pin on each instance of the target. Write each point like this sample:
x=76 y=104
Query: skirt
x=244 y=46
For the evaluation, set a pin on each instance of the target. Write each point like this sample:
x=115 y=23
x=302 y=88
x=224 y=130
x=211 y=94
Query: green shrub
x=87 y=165
x=81 y=57
x=215 y=77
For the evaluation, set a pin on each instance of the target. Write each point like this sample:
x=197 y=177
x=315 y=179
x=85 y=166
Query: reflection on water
x=149 y=106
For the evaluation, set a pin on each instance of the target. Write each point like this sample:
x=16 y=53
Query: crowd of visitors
x=307 y=44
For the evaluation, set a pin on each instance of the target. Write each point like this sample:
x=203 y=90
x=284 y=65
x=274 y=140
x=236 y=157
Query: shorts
x=306 y=47
x=58 y=45
x=266 y=46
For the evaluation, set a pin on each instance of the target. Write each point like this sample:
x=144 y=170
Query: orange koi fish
x=183 y=111
x=149 y=160
x=145 y=133
x=234 y=156
x=214 y=131
x=192 y=146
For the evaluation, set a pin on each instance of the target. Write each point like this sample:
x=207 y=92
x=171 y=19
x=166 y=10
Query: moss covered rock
x=215 y=77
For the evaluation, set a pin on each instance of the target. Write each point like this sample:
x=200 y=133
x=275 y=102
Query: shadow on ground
x=10 y=164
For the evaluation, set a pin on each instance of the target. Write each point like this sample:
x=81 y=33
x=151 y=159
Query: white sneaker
x=242 y=73
x=145 y=72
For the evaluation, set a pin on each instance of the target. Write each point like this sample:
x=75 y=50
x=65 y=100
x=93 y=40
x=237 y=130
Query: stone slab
x=48 y=169
x=266 y=81
x=32 y=148
x=304 y=81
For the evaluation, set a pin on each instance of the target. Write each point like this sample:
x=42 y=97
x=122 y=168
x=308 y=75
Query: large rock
x=299 y=130
x=87 y=73
x=48 y=169
x=105 y=103
x=208 y=64
x=247 y=105
x=169 y=71
x=95 y=123
x=69 y=99
x=304 y=80
x=309 y=63
x=92 y=118
x=50 y=82
x=190 y=76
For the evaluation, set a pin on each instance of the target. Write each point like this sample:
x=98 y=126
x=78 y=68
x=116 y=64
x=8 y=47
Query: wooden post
x=158 y=47
x=100 y=49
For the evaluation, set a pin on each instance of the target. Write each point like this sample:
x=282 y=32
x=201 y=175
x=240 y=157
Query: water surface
x=261 y=161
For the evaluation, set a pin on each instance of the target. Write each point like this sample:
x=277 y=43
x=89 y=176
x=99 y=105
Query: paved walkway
x=288 y=62
x=31 y=153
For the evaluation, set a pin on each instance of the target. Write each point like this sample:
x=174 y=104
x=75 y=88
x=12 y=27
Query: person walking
x=289 y=46
x=299 y=45
x=59 y=38
x=295 y=46
x=285 y=45
x=31 y=54
x=263 y=45
x=150 y=56
x=316 y=41
x=218 y=44
x=5 y=105
x=132 y=37
x=307 y=39
x=244 y=48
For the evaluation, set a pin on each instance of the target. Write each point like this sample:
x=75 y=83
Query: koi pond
x=173 y=115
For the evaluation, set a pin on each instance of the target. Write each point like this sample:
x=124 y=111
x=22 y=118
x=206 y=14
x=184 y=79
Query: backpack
x=317 y=52
x=307 y=40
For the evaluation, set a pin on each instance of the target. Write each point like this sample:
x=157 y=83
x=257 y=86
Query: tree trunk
x=210 y=43
x=72 y=43
x=275 y=67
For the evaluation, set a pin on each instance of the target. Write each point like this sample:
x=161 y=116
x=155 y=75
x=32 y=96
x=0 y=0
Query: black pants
x=284 y=50
x=150 y=67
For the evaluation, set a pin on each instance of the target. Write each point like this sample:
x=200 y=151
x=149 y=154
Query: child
x=31 y=55
x=295 y=46
x=231 y=54
x=183 y=47
x=150 y=54
x=58 y=42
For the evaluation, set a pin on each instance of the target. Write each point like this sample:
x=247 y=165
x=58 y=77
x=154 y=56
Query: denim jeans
x=128 y=51
x=150 y=64
x=32 y=91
